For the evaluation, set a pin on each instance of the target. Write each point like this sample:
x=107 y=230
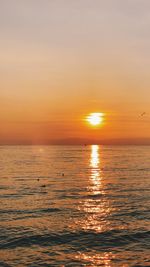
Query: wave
x=88 y=239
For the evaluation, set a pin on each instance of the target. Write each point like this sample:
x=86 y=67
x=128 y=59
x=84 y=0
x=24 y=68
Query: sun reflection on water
x=96 y=205
x=97 y=209
x=102 y=259
x=95 y=169
x=95 y=156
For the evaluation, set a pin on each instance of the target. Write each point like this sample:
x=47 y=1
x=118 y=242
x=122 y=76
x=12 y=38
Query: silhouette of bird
x=143 y=114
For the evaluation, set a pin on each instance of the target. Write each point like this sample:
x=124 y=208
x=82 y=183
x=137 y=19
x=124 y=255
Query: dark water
x=75 y=206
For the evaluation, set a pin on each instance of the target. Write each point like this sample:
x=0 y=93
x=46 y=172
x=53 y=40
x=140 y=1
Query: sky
x=63 y=59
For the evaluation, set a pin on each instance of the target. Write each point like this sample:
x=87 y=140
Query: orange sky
x=61 y=60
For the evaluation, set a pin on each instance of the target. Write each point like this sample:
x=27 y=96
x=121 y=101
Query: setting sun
x=95 y=118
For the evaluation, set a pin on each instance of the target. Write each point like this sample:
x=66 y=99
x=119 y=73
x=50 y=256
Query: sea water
x=74 y=206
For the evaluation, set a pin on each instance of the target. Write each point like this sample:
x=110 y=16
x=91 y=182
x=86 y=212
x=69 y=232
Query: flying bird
x=143 y=114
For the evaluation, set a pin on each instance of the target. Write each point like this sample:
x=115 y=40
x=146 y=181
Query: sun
x=95 y=119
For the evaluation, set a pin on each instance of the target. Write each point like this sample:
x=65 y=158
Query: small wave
x=92 y=240
x=29 y=211
x=78 y=196
x=3 y=264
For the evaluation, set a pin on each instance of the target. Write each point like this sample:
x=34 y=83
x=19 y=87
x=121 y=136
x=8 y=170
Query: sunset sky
x=63 y=59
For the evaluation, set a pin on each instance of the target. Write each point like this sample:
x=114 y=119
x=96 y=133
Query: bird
x=143 y=114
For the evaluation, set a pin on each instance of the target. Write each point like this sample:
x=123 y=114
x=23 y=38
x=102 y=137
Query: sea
x=74 y=206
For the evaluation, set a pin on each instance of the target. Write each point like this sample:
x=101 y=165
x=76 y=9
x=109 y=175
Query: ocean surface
x=74 y=206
